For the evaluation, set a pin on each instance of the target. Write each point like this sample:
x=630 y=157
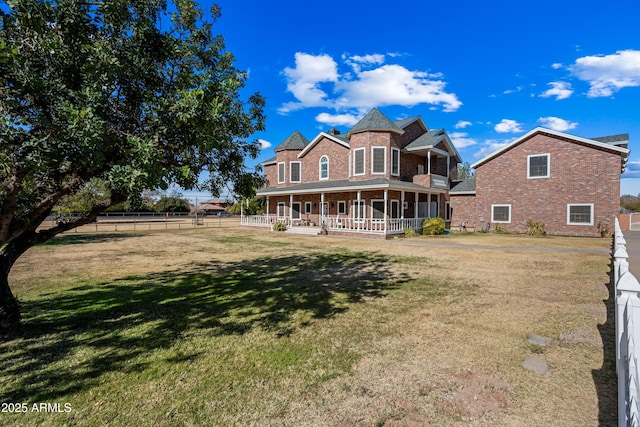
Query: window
x=580 y=214
x=395 y=209
x=538 y=166
x=342 y=208
x=307 y=207
x=395 y=162
x=295 y=210
x=377 y=209
x=447 y=211
x=294 y=171
x=358 y=210
x=378 y=160
x=281 y=174
x=500 y=213
x=281 y=210
x=324 y=167
x=358 y=161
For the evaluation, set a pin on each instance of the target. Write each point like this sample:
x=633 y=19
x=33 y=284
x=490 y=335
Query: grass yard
x=239 y=327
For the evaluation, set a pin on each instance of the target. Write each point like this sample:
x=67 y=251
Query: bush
x=410 y=232
x=432 y=226
x=603 y=229
x=536 y=228
x=280 y=226
x=500 y=229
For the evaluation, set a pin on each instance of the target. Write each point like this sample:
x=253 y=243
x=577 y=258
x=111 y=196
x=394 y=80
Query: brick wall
x=463 y=209
x=338 y=161
x=579 y=174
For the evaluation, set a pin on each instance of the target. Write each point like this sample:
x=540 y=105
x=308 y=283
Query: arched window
x=324 y=167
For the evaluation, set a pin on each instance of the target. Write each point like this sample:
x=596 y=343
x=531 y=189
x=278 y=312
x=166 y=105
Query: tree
x=135 y=94
x=465 y=171
x=172 y=204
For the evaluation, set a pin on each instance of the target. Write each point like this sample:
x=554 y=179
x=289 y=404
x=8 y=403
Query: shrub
x=500 y=229
x=603 y=229
x=536 y=228
x=280 y=226
x=409 y=232
x=432 y=226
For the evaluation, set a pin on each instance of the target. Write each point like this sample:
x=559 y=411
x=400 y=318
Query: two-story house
x=378 y=178
x=569 y=183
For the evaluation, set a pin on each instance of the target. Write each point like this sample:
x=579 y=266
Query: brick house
x=214 y=206
x=378 y=178
x=571 y=184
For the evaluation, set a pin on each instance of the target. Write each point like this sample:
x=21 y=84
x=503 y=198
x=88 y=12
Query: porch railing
x=347 y=224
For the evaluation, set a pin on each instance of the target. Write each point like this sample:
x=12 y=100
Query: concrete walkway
x=633 y=249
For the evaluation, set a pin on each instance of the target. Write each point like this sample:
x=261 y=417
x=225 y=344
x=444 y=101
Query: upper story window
x=295 y=172
x=281 y=173
x=378 y=160
x=324 y=167
x=395 y=161
x=538 y=166
x=358 y=161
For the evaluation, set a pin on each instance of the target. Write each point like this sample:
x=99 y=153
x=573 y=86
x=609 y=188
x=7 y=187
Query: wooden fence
x=627 y=314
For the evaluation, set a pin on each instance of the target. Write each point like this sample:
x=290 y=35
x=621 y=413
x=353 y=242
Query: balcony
x=432 y=181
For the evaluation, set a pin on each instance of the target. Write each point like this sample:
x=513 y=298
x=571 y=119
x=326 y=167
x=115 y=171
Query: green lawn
x=233 y=329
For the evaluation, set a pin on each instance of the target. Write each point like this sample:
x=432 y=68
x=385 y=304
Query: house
x=571 y=184
x=214 y=206
x=375 y=180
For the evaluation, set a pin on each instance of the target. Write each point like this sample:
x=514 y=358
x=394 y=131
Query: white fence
x=627 y=333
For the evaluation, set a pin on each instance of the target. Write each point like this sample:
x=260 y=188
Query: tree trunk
x=9 y=307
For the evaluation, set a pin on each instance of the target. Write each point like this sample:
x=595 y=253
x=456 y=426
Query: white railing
x=626 y=288
x=347 y=224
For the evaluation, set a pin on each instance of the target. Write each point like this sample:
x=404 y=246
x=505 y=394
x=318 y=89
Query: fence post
x=627 y=312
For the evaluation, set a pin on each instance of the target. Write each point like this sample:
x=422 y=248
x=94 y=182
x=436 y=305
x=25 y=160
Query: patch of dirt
x=581 y=336
x=474 y=395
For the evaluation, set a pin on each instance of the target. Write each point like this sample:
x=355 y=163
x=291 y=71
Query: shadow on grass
x=80 y=238
x=109 y=327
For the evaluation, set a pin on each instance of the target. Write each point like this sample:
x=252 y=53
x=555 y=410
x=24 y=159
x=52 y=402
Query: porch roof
x=348 y=185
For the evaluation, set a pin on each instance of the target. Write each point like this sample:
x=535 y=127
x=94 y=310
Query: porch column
x=386 y=200
x=428 y=205
x=429 y=162
x=290 y=209
x=402 y=204
x=416 y=197
x=438 y=206
x=448 y=163
x=358 y=211
x=321 y=208
x=268 y=211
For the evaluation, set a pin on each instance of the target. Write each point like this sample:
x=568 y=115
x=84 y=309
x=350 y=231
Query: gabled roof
x=465 y=186
x=374 y=120
x=295 y=141
x=432 y=138
x=406 y=122
x=624 y=152
x=334 y=138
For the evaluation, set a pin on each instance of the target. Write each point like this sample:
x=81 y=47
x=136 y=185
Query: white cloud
x=264 y=144
x=489 y=146
x=462 y=140
x=338 y=119
x=316 y=82
x=462 y=124
x=556 y=123
x=508 y=126
x=607 y=74
x=303 y=80
x=556 y=66
x=517 y=89
x=561 y=90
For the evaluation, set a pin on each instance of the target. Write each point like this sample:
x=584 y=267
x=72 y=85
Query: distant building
x=214 y=206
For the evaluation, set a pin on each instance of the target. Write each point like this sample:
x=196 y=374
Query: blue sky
x=487 y=72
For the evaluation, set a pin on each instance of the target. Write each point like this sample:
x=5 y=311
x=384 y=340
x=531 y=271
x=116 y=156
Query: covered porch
x=379 y=207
